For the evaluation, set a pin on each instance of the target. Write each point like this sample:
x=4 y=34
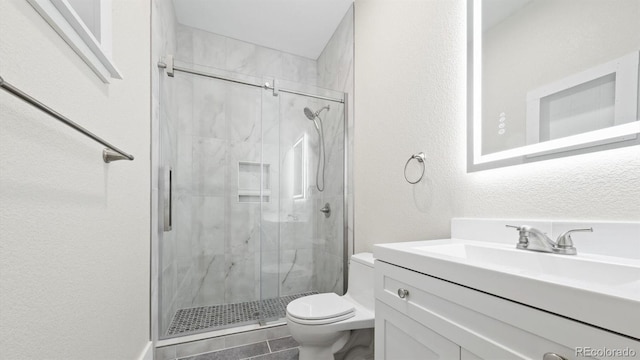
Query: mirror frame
x=66 y=22
x=604 y=139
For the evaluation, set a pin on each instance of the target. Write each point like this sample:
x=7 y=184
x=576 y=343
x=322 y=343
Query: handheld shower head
x=321 y=154
x=313 y=115
x=309 y=114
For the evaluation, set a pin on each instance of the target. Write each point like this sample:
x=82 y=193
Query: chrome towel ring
x=421 y=157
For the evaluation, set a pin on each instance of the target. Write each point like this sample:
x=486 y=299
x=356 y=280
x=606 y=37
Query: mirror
x=299 y=169
x=551 y=78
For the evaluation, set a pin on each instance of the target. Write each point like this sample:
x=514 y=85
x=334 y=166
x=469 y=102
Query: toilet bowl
x=323 y=323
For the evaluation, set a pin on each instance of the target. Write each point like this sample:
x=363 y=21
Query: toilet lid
x=320 y=307
x=320 y=322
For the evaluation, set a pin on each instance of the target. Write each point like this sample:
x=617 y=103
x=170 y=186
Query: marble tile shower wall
x=224 y=53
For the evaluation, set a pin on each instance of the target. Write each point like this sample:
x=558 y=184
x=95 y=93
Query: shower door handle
x=167 y=197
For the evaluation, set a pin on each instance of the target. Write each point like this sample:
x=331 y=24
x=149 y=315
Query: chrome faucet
x=535 y=240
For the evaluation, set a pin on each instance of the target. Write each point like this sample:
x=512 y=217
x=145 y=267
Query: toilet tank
x=360 y=286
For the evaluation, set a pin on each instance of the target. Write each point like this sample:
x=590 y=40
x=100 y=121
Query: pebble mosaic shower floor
x=225 y=315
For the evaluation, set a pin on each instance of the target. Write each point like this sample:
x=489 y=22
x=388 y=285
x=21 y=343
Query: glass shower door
x=302 y=247
x=259 y=200
x=211 y=258
x=311 y=177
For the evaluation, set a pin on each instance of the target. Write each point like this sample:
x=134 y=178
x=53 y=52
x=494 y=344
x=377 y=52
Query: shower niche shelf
x=250 y=177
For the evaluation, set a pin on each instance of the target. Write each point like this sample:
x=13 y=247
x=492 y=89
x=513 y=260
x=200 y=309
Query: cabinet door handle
x=403 y=293
x=553 y=356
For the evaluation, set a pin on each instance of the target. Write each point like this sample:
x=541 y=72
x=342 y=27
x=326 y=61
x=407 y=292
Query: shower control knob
x=403 y=293
x=326 y=210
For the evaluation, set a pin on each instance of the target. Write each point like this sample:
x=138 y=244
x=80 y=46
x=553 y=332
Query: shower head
x=317 y=122
x=309 y=114
x=312 y=115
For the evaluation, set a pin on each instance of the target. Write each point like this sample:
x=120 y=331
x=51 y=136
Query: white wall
x=74 y=247
x=411 y=96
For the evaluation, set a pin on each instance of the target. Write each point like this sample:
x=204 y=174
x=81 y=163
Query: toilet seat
x=320 y=309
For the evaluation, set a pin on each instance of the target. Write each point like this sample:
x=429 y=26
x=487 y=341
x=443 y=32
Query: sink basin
x=585 y=269
x=600 y=290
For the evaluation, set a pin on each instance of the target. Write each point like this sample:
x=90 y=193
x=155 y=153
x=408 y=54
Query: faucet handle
x=565 y=241
x=523 y=239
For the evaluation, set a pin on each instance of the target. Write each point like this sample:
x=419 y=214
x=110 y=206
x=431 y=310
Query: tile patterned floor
x=278 y=349
x=225 y=315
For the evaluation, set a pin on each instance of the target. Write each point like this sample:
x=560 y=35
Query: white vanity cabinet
x=400 y=337
x=422 y=317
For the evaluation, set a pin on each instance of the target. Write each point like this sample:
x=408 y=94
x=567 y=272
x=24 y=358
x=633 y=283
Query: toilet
x=324 y=323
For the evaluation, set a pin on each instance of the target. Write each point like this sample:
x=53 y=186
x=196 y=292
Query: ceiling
x=300 y=27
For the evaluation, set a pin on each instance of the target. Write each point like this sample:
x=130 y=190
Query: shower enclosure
x=253 y=205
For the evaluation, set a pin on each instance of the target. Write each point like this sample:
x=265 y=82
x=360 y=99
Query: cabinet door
x=398 y=337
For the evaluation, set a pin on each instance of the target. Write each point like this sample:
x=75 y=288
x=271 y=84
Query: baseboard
x=147 y=352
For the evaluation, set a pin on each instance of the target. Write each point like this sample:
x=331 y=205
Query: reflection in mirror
x=552 y=77
x=298 y=169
